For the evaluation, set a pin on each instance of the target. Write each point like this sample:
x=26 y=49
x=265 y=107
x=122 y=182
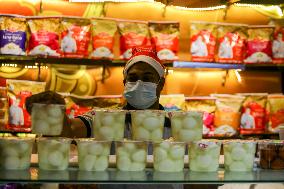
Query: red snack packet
x=18 y=91
x=231 y=43
x=103 y=38
x=165 y=37
x=278 y=45
x=203 y=39
x=275 y=112
x=253 y=113
x=75 y=37
x=259 y=44
x=133 y=33
x=44 y=39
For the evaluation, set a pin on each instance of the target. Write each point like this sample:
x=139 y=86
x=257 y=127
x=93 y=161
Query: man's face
x=144 y=72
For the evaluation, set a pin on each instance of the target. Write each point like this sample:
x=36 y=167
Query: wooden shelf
x=35 y=60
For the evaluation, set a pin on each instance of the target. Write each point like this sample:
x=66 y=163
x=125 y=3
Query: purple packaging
x=13 y=35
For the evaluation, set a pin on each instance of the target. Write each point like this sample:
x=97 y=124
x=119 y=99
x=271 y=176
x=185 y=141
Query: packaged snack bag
x=75 y=37
x=172 y=102
x=44 y=39
x=278 y=45
x=133 y=33
x=203 y=37
x=275 y=112
x=13 y=35
x=3 y=108
x=231 y=43
x=103 y=31
x=253 y=113
x=227 y=114
x=78 y=105
x=18 y=91
x=259 y=48
x=165 y=37
x=208 y=107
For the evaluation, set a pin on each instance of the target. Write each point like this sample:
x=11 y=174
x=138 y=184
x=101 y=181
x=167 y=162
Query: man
x=144 y=79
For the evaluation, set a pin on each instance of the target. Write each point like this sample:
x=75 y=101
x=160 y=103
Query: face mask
x=140 y=95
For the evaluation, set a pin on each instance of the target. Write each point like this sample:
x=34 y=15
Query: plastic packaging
x=15 y=152
x=47 y=119
x=203 y=38
x=227 y=114
x=169 y=156
x=207 y=106
x=165 y=37
x=132 y=34
x=186 y=126
x=259 y=44
x=44 y=39
x=93 y=154
x=147 y=125
x=253 y=118
x=18 y=91
x=131 y=155
x=103 y=38
x=53 y=153
x=271 y=154
x=231 y=43
x=239 y=155
x=108 y=124
x=75 y=37
x=13 y=35
x=204 y=155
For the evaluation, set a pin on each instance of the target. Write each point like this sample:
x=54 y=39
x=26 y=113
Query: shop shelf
x=35 y=60
x=113 y=176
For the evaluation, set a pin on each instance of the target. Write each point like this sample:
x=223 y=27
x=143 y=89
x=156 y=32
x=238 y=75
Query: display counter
x=113 y=176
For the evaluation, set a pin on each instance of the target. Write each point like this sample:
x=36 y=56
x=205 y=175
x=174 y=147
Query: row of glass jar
x=168 y=156
x=147 y=125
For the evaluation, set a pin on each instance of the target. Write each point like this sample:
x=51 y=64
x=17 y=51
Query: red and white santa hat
x=148 y=55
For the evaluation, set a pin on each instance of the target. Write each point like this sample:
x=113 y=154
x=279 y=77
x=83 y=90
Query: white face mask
x=140 y=95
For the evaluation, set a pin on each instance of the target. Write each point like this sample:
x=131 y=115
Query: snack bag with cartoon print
x=75 y=37
x=259 y=44
x=13 y=35
x=173 y=102
x=132 y=34
x=208 y=107
x=231 y=43
x=278 y=44
x=253 y=118
x=103 y=38
x=18 y=91
x=3 y=108
x=203 y=37
x=227 y=114
x=44 y=39
x=275 y=112
x=165 y=37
